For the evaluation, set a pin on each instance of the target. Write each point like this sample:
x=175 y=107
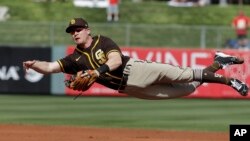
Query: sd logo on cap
x=76 y=22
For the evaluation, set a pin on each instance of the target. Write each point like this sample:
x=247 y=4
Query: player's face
x=80 y=35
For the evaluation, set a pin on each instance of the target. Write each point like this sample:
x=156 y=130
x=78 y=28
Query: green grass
x=175 y=114
x=150 y=24
x=147 y=12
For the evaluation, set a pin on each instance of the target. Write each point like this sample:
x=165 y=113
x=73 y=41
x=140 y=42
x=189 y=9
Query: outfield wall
x=14 y=80
x=12 y=77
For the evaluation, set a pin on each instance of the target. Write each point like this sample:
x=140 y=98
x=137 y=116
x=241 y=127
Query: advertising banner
x=194 y=58
x=13 y=78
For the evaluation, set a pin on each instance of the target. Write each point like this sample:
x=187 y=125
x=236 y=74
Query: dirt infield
x=68 y=133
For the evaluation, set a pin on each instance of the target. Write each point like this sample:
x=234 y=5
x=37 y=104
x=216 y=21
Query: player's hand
x=90 y=73
x=28 y=64
x=82 y=81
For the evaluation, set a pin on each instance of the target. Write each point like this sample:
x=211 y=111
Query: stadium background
x=40 y=26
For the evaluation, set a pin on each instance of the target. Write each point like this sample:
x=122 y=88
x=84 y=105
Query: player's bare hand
x=28 y=64
x=90 y=73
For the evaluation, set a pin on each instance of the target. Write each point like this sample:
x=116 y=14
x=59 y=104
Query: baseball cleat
x=239 y=86
x=225 y=60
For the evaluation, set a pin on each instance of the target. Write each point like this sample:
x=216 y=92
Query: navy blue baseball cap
x=76 y=22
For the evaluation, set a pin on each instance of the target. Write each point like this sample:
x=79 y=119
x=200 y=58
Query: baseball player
x=101 y=58
x=113 y=10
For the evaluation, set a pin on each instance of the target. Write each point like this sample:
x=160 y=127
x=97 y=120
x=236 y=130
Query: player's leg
x=221 y=61
x=150 y=80
x=143 y=74
x=161 y=91
x=210 y=77
x=175 y=90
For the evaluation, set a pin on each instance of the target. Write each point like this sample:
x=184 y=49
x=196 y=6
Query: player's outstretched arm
x=42 y=66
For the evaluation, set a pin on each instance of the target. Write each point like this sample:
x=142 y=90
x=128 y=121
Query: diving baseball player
x=99 y=59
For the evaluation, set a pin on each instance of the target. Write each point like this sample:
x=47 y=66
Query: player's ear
x=88 y=32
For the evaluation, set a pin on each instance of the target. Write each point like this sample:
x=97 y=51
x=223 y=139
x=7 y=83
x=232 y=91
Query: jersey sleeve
x=110 y=46
x=68 y=65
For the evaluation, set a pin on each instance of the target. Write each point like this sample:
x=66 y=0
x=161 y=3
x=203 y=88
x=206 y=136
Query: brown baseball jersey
x=92 y=58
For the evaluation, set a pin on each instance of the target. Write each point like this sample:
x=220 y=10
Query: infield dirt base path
x=68 y=133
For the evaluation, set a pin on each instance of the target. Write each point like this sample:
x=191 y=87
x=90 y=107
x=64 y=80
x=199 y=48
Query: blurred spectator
x=234 y=44
x=113 y=10
x=231 y=43
x=241 y=23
